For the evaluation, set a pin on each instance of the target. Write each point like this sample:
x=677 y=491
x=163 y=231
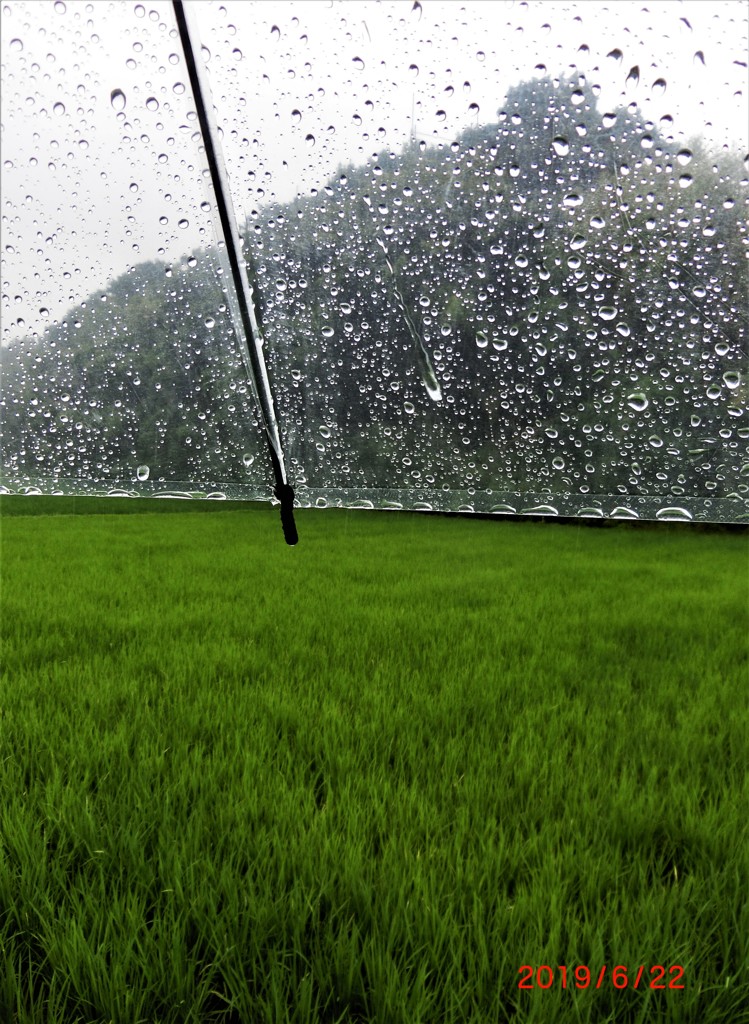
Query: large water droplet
x=633 y=78
x=59 y=108
x=608 y=312
x=674 y=513
x=561 y=145
x=143 y=472
x=118 y=99
x=637 y=401
x=152 y=103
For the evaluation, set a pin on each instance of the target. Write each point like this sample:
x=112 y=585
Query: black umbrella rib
x=250 y=333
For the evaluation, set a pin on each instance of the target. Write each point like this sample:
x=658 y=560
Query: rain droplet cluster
x=536 y=305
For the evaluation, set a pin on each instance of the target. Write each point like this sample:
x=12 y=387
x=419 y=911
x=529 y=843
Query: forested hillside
x=555 y=302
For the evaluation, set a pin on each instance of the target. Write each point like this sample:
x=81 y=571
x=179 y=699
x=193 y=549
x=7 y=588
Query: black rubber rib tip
x=285 y=494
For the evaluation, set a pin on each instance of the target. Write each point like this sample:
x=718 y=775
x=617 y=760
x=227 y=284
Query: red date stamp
x=656 y=977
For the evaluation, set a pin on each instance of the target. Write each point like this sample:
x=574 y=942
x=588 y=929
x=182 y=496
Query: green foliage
x=368 y=778
x=486 y=263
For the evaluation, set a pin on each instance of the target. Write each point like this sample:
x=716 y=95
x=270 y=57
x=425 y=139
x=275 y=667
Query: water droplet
x=615 y=54
x=607 y=312
x=577 y=97
x=633 y=78
x=414 y=69
x=59 y=108
x=558 y=462
x=655 y=442
x=140 y=11
x=152 y=103
x=16 y=44
x=210 y=323
x=358 y=63
x=409 y=407
x=659 y=86
x=236 y=53
x=275 y=32
x=441 y=115
x=572 y=199
x=732 y=379
x=685 y=180
x=325 y=432
x=118 y=99
x=133 y=186
x=163 y=220
x=684 y=156
x=296 y=116
x=327 y=332
x=416 y=9
x=142 y=473
x=578 y=242
x=310 y=140
x=178 y=88
x=561 y=145
x=481 y=339
x=183 y=223
x=60 y=7
x=637 y=401
x=44 y=312
x=623 y=330
x=474 y=109
x=674 y=513
x=699 y=56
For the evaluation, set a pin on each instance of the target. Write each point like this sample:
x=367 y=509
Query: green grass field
x=368 y=778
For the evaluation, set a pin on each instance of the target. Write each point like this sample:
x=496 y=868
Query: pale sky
x=91 y=186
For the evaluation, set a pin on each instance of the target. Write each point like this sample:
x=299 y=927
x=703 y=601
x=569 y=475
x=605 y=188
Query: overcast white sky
x=91 y=187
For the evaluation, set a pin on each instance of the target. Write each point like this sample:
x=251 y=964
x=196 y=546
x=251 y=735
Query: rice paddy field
x=416 y=770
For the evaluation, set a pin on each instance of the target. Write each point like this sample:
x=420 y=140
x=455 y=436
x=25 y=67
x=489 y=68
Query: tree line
x=556 y=301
